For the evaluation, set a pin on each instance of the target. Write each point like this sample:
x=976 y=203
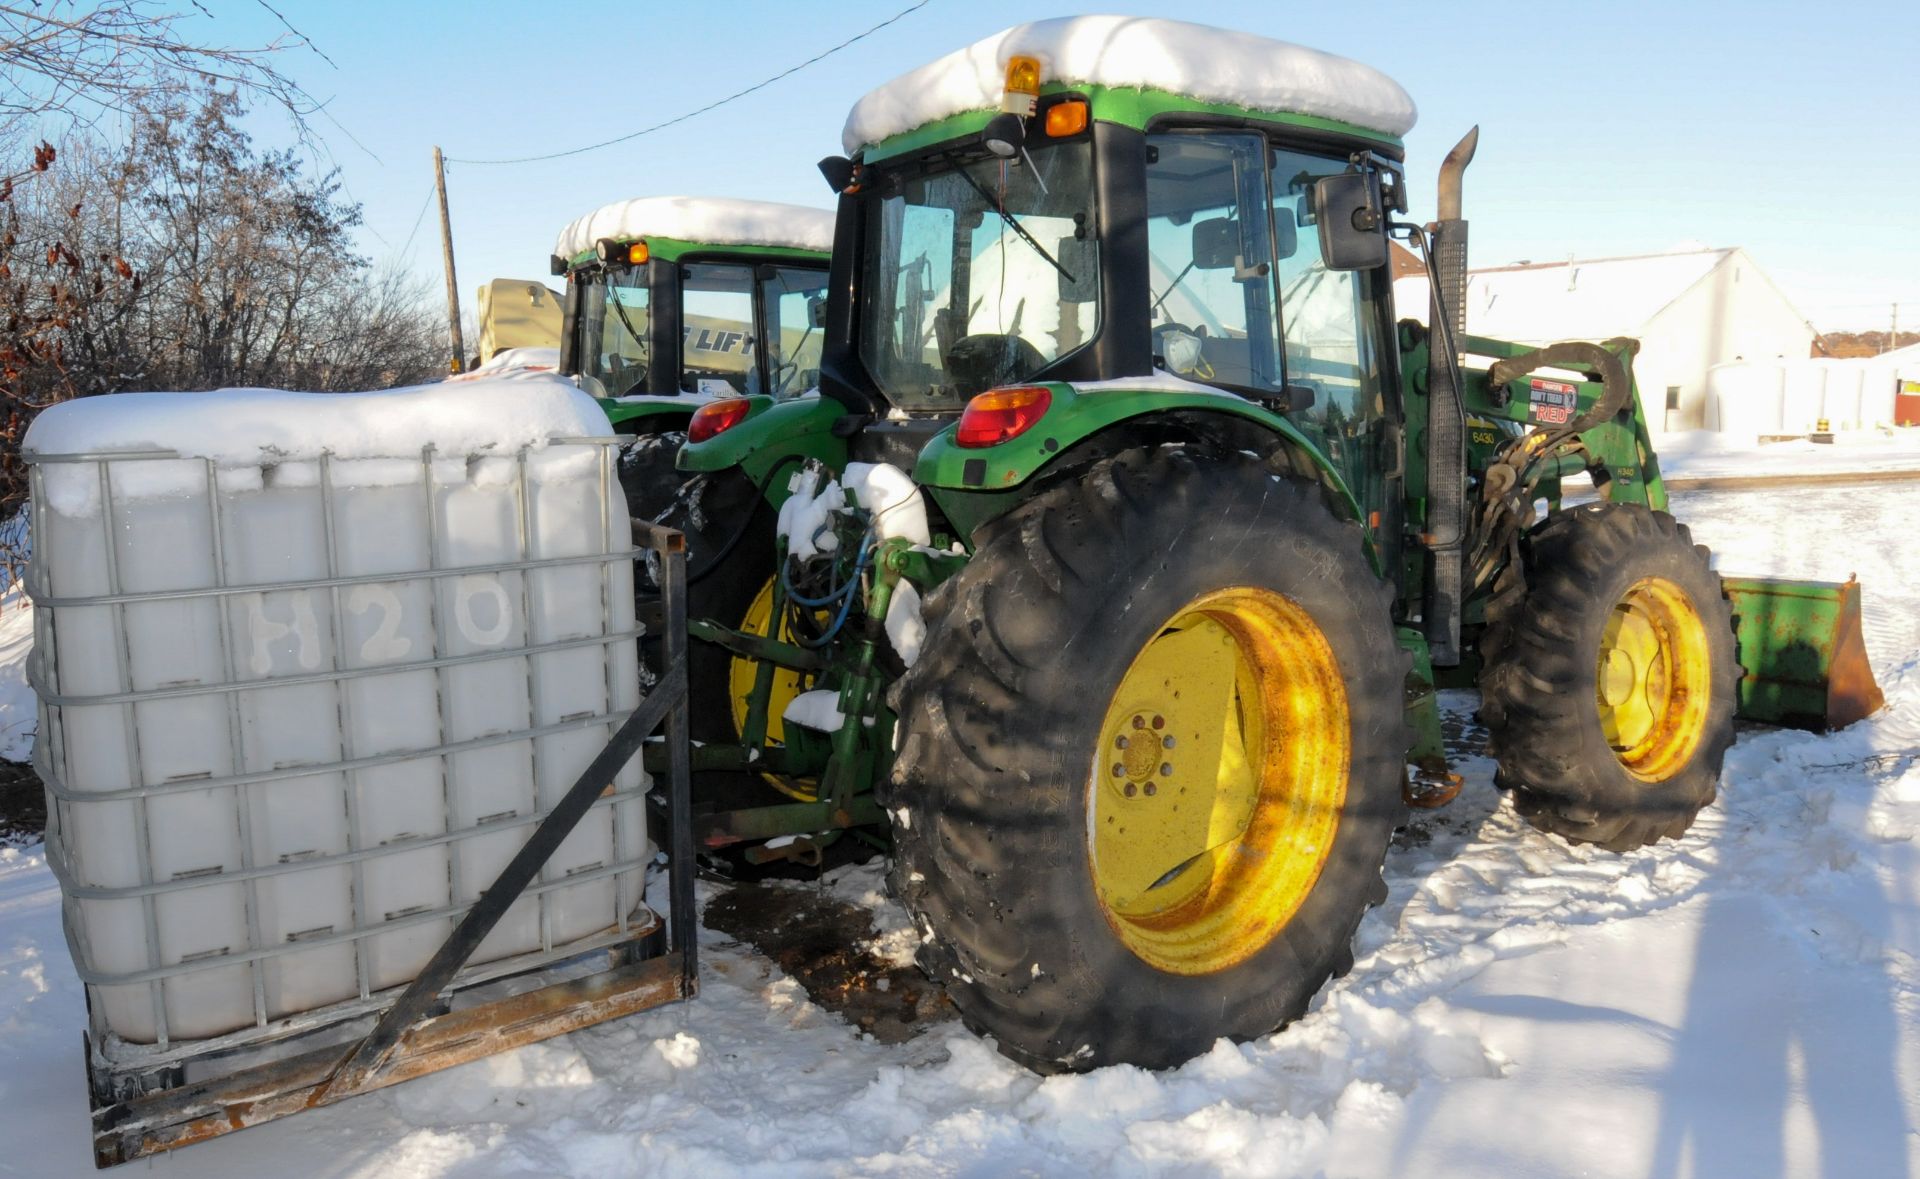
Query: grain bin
x=310 y=669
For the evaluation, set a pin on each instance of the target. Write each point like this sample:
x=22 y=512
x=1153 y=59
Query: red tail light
x=716 y=417
x=999 y=415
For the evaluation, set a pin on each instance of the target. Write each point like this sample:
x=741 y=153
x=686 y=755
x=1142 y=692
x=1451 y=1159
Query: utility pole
x=1893 y=337
x=446 y=250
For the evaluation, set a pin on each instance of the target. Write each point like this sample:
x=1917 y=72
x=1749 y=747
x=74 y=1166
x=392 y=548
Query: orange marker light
x=716 y=417
x=1000 y=415
x=1066 y=118
x=637 y=253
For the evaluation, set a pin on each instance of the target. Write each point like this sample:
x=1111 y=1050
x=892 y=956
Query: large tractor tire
x=730 y=568
x=1150 y=757
x=1609 y=676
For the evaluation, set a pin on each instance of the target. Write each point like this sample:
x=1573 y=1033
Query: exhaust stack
x=1446 y=421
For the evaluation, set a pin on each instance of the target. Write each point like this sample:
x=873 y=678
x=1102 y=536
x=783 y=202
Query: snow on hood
x=1200 y=62
x=720 y=221
x=249 y=427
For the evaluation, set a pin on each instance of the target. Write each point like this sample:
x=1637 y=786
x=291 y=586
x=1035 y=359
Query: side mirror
x=1080 y=257
x=1286 y=235
x=1216 y=243
x=837 y=171
x=817 y=310
x=1353 y=230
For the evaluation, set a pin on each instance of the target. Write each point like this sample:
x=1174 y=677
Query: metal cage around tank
x=517 y=648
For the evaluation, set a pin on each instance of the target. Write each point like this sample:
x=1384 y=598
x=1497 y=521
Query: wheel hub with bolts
x=1145 y=754
x=1652 y=681
x=1223 y=762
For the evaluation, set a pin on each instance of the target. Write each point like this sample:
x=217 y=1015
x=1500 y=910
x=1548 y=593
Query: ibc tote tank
x=1746 y=397
x=310 y=668
x=1804 y=397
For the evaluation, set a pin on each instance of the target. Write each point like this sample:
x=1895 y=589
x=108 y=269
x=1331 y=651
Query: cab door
x=1337 y=363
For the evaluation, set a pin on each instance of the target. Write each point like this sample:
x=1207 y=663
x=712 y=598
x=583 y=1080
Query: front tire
x=1609 y=677
x=1190 y=626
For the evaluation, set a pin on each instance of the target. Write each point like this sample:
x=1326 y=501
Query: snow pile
x=249 y=427
x=818 y=710
x=245 y=431
x=515 y=362
x=906 y=627
x=805 y=519
x=890 y=495
x=1196 y=61
x=718 y=221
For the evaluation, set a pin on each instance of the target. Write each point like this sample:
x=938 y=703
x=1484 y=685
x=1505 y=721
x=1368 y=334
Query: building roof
x=1590 y=299
x=718 y=221
x=1196 y=61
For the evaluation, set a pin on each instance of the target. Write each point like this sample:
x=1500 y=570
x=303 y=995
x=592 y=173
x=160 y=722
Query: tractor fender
x=1080 y=428
x=773 y=435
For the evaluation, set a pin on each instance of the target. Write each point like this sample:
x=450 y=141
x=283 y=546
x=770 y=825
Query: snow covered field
x=1742 y=1003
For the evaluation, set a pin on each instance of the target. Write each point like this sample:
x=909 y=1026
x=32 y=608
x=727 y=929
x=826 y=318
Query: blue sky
x=1790 y=129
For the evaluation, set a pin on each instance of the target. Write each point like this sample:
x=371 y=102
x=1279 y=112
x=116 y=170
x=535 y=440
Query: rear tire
x=1605 y=737
x=724 y=503
x=1003 y=760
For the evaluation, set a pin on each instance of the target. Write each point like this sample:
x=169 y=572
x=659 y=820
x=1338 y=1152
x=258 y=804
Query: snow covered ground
x=1741 y=1003
x=1705 y=454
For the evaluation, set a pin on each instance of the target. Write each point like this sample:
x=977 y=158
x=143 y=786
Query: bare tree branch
x=80 y=58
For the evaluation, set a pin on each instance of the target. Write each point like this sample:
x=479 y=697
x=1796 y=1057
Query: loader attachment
x=1803 y=657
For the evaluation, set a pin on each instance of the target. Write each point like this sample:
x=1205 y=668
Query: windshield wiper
x=620 y=311
x=1016 y=226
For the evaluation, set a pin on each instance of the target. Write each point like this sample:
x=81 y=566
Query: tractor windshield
x=614 y=332
x=978 y=273
x=745 y=327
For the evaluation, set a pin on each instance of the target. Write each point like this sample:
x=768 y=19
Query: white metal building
x=1690 y=309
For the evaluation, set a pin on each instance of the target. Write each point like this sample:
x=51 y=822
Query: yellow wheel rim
x=740 y=672
x=1219 y=780
x=1653 y=681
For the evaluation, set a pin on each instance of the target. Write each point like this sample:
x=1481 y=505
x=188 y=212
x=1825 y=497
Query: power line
x=710 y=106
x=418 y=217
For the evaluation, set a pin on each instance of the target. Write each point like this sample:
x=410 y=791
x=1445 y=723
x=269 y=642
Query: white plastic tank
x=311 y=667
x=1746 y=398
x=1804 y=399
x=1840 y=400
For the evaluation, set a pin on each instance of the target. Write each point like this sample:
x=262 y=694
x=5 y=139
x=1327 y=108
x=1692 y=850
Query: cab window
x=1331 y=328
x=716 y=329
x=1209 y=257
x=792 y=300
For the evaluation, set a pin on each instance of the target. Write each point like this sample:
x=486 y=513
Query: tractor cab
x=1172 y=211
x=674 y=301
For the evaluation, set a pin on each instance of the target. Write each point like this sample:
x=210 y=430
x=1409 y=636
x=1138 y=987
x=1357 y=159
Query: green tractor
x=1121 y=553
x=672 y=302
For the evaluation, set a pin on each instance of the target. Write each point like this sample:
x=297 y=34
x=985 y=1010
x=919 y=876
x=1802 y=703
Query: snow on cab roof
x=720 y=221
x=1197 y=61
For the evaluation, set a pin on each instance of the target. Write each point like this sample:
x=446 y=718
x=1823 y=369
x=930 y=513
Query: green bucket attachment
x=1803 y=658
